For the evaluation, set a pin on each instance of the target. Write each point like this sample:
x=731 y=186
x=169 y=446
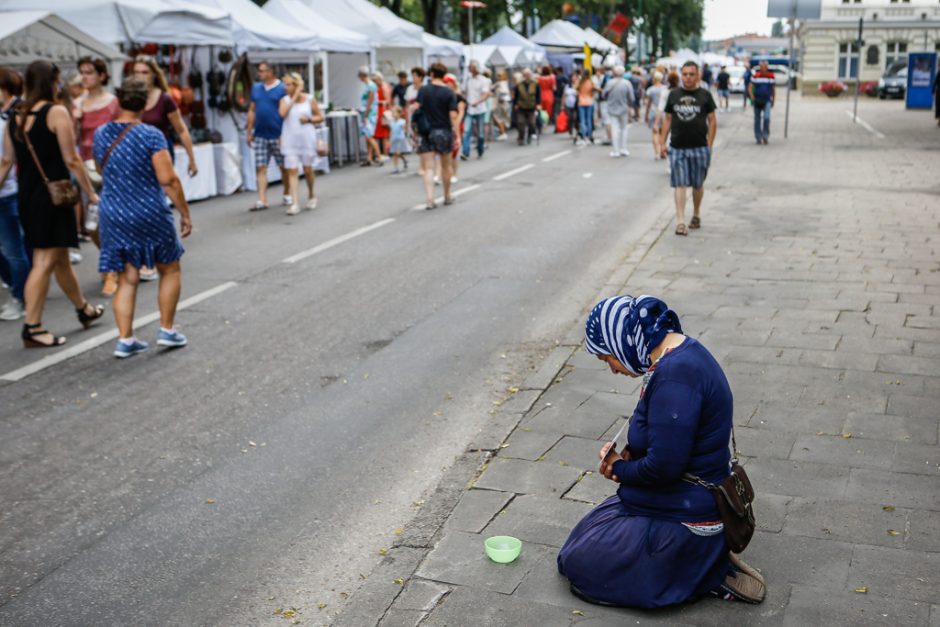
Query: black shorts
x=439 y=140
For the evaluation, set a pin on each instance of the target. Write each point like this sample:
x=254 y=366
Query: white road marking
x=866 y=125
x=336 y=241
x=96 y=341
x=440 y=199
x=557 y=155
x=506 y=175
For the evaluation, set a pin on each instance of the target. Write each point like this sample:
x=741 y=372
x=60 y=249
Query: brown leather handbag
x=734 y=497
x=63 y=193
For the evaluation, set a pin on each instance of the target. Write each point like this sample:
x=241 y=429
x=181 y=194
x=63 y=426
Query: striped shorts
x=689 y=166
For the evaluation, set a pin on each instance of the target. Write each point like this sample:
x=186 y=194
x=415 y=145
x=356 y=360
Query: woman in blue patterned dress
x=137 y=226
x=660 y=540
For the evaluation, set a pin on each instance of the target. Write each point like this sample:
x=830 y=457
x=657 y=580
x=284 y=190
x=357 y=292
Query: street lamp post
x=470 y=5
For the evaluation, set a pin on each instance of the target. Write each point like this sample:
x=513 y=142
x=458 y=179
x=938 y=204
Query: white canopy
x=383 y=28
x=484 y=54
x=560 y=34
x=331 y=36
x=435 y=46
x=119 y=21
x=253 y=29
x=28 y=35
x=506 y=36
x=598 y=42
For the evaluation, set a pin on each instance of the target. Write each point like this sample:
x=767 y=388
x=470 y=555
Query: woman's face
x=615 y=366
x=90 y=77
x=291 y=87
x=143 y=72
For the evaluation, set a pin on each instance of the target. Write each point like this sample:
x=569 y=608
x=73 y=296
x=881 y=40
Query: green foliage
x=777 y=29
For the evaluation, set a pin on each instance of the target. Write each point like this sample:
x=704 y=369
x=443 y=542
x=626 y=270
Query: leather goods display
x=238 y=88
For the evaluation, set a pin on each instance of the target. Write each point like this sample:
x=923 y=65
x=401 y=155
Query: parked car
x=781 y=75
x=893 y=82
x=736 y=80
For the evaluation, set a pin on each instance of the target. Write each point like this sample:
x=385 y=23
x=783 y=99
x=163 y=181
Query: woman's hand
x=94 y=199
x=192 y=169
x=608 y=455
x=186 y=226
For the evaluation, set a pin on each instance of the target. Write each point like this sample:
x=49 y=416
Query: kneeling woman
x=660 y=540
x=137 y=227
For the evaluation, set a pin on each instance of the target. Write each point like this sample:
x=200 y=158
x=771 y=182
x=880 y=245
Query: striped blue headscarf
x=629 y=328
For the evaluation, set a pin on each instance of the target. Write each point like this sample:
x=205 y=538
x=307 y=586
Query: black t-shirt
x=437 y=101
x=398 y=95
x=689 y=110
x=723 y=80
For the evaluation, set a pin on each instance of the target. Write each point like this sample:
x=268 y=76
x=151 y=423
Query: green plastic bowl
x=502 y=549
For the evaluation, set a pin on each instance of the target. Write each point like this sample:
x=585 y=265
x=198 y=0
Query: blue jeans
x=12 y=246
x=468 y=123
x=586 y=121
x=762 y=114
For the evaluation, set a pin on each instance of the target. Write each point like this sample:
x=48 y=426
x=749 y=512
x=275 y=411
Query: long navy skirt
x=635 y=561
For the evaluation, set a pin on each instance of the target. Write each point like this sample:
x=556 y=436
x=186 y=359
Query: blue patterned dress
x=136 y=225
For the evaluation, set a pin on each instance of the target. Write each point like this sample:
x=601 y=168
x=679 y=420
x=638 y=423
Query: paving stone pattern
x=816 y=282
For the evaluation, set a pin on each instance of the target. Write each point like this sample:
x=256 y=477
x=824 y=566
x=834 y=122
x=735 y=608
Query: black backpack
x=420 y=122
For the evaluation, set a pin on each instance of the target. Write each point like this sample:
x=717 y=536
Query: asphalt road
x=266 y=464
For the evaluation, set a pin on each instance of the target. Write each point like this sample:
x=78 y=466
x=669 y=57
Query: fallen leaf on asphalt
x=506 y=445
x=577 y=612
x=821 y=433
x=345 y=595
x=541 y=458
x=383 y=552
x=278 y=610
x=418 y=503
x=400 y=581
x=862 y=589
x=244 y=450
x=210 y=501
x=270 y=598
x=94 y=395
x=288 y=613
x=892 y=532
x=497 y=403
x=513 y=390
x=846 y=436
x=888 y=508
x=321 y=606
x=562 y=462
x=399 y=531
x=438 y=413
x=252 y=444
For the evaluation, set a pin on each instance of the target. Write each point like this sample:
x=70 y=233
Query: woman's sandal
x=695 y=223
x=32 y=331
x=681 y=230
x=743 y=566
x=746 y=584
x=88 y=319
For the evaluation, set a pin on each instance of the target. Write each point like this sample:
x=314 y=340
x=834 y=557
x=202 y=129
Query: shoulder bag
x=117 y=140
x=734 y=497
x=63 y=193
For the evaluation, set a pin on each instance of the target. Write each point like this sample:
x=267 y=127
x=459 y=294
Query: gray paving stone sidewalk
x=816 y=281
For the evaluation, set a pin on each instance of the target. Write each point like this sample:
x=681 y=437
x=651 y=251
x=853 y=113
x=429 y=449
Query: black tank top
x=46 y=145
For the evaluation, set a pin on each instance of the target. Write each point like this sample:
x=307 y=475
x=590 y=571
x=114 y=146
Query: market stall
x=515 y=48
x=29 y=35
x=440 y=50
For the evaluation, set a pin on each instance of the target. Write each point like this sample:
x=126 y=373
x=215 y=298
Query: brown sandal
x=744 y=587
x=695 y=223
x=681 y=230
x=744 y=567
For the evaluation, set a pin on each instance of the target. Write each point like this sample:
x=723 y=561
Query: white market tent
x=484 y=54
x=29 y=35
x=116 y=22
x=439 y=48
x=507 y=39
x=397 y=43
x=254 y=29
x=331 y=36
x=560 y=36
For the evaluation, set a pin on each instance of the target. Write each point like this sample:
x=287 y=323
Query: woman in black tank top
x=49 y=230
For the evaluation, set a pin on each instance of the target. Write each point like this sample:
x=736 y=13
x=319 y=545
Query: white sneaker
x=12 y=310
x=311 y=204
x=502 y=137
x=453 y=180
x=75 y=257
x=293 y=210
x=286 y=200
x=437 y=180
x=148 y=274
x=624 y=153
x=614 y=153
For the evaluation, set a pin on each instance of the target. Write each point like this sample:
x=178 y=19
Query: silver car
x=893 y=83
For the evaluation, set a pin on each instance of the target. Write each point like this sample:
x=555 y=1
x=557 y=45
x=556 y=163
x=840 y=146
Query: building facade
x=892 y=29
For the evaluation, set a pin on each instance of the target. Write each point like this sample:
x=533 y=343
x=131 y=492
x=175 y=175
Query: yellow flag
x=588 y=62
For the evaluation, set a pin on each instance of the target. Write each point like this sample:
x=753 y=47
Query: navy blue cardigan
x=682 y=424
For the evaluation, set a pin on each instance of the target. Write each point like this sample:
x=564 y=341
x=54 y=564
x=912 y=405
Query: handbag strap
x=117 y=140
x=32 y=150
x=690 y=478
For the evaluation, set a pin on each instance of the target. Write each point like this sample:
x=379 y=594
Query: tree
x=777 y=29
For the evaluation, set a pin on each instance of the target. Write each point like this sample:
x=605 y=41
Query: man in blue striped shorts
x=690 y=117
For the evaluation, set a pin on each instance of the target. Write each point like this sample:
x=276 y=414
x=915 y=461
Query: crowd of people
x=71 y=132
x=115 y=148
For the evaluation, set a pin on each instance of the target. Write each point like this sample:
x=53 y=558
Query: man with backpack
x=525 y=99
x=763 y=92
